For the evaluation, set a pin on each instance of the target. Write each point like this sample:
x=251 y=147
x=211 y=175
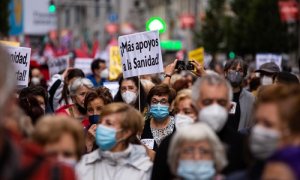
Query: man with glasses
x=240 y=114
x=211 y=95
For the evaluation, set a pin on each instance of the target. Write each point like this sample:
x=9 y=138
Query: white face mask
x=129 y=97
x=182 y=120
x=104 y=73
x=213 y=115
x=263 y=141
x=35 y=80
x=266 y=80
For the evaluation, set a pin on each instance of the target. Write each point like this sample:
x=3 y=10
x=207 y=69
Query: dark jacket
x=234 y=143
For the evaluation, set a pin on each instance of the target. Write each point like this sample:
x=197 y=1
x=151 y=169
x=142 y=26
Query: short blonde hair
x=193 y=133
x=182 y=95
x=50 y=128
x=131 y=119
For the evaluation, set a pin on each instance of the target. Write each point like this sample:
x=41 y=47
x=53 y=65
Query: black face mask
x=81 y=109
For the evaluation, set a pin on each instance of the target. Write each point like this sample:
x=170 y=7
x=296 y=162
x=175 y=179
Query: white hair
x=212 y=79
x=194 y=133
x=79 y=82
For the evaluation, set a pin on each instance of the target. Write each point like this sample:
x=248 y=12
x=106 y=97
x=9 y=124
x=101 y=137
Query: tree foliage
x=255 y=26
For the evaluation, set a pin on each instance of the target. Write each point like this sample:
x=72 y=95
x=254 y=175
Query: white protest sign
x=141 y=54
x=112 y=86
x=37 y=18
x=58 y=64
x=265 y=58
x=148 y=142
x=20 y=57
x=84 y=64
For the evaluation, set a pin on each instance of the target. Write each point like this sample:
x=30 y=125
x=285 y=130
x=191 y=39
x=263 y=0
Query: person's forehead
x=213 y=91
x=160 y=97
x=236 y=65
x=186 y=102
x=128 y=83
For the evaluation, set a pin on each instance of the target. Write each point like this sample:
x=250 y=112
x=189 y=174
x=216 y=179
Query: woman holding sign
x=129 y=93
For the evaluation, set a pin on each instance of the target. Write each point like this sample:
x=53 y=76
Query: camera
x=181 y=65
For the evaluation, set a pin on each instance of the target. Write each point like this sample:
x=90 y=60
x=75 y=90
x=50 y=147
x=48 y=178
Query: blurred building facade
x=103 y=19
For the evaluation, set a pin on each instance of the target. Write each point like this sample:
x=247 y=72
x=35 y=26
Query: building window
x=97 y=10
x=67 y=17
x=77 y=14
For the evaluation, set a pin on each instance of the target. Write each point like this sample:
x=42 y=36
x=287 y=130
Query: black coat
x=234 y=143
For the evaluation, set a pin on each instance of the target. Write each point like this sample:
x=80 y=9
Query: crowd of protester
x=229 y=123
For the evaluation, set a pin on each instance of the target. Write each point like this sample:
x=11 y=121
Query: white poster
x=57 y=64
x=20 y=57
x=265 y=58
x=113 y=86
x=84 y=64
x=141 y=54
x=37 y=19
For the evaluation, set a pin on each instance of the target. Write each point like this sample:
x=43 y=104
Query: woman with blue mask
x=196 y=153
x=117 y=157
x=159 y=122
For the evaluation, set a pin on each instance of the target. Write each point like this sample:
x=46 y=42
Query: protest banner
x=10 y=43
x=140 y=54
x=197 y=55
x=20 y=57
x=58 y=64
x=115 y=64
x=265 y=58
x=113 y=87
x=84 y=64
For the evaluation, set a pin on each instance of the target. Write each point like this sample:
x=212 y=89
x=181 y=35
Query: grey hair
x=212 y=79
x=79 y=82
x=193 y=133
x=7 y=78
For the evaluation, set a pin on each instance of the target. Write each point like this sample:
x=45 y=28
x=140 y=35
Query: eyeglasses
x=221 y=102
x=236 y=70
x=162 y=101
x=192 y=151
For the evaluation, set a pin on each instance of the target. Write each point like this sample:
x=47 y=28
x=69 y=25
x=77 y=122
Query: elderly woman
x=185 y=111
x=160 y=123
x=94 y=102
x=117 y=157
x=66 y=144
x=78 y=89
x=196 y=153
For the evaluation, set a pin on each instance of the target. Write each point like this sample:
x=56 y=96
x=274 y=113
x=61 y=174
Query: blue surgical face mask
x=159 y=112
x=105 y=137
x=192 y=170
x=94 y=119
